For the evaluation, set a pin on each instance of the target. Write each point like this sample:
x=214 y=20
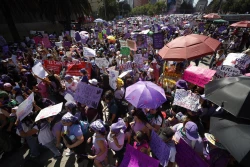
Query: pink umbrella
x=241 y=24
x=189 y=47
x=212 y=16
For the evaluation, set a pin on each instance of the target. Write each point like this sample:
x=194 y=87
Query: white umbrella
x=49 y=111
x=99 y=20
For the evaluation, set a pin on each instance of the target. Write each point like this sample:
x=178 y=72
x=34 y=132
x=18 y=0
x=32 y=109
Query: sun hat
x=213 y=140
x=7 y=85
x=166 y=133
x=182 y=84
x=191 y=130
x=93 y=82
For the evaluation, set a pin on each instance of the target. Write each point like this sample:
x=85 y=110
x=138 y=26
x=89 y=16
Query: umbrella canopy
x=189 y=47
x=49 y=111
x=145 y=94
x=220 y=21
x=232 y=94
x=234 y=136
x=212 y=16
x=241 y=24
x=99 y=20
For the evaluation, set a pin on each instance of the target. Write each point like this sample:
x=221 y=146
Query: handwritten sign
x=102 y=62
x=231 y=59
x=186 y=99
x=131 y=44
x=159 y=148
x=242 y=62
x=187 y=157
x=88 y=95
x=135 y=158
x=39 y=71
x=125 y=51
x=126 y=66
x=226 y=71
x=88 y=52
x=25 y=107
x=158 y=40
x=138 y=60
x=198 y=75
x=113 y=75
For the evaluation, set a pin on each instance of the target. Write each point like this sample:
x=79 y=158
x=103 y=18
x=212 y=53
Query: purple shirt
x=75 y=130
x=57 y=127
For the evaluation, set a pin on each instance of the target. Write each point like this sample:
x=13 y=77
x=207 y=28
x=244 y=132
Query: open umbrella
x=234 y=135
x=49 y=111
x=99 y=20
x=232 y=94
x=212 y=16
x=241 y=24
x=189 y=47
x=145 y=94
x=220 y=21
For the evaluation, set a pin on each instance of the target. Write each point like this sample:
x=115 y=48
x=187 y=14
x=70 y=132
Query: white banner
x=113 y=75
x=25 y=107
x=102 y=62
x=226 y=71
x=87 y=52
x=39 y=71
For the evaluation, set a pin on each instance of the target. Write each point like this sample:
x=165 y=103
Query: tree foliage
x=150 y=9
x=186 y=8
x=229 y=6
x=111 y=10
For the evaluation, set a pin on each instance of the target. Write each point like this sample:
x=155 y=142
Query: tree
x=186 y=8
x=150 y=9
x=111 y=10
x=124 y=8
x=52 y=10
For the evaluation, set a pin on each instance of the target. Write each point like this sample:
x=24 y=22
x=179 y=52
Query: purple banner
x=135 y=158
x=186 y=156
x=141 y=40
x=158 y=40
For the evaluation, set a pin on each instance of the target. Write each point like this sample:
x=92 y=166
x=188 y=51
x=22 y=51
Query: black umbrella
x=232 y=94
x=235 y=137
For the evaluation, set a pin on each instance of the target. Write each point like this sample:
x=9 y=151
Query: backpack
x=84 y=126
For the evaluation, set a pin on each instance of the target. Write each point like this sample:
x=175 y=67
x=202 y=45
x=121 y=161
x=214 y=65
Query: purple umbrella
x=145 y=94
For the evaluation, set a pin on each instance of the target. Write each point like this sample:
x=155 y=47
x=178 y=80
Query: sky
x=195 y=1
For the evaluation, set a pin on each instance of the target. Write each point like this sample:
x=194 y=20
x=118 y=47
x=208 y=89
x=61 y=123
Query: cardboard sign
x=125 y=51
x=158 y=40
x=160 y=149
x=187 y=157
x=186 y=99
x=25 y=107
x=226 y=71
x=123 y=43
x=198 y=75
x=39 y=71
x=132 y=45
x=135 y=158
x=88 y=52
x=231 y=59
x=138 y=61
x=88 y=95
x=141 y=40
x=72 y=68
x=102 y=62
x=113 y=75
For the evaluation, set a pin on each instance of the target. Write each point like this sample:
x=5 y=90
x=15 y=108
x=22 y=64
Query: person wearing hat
x=84 y=77
x=166 y=134
x=70 y=84
x=181 y=84
x=217 y=155
x=93 y=82
x=188 y=131
x=116 y=138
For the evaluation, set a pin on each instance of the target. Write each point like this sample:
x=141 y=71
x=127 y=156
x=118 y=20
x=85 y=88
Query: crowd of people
x=91 y=133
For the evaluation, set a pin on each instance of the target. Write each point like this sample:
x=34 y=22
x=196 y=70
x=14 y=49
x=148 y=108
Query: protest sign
x=242 y=62
x=113 y=75
x=231 y=59
x=102 y=62
x=88 y=52
x=49 y=111
x=25 y=107
x=39 y=71
x=198 y=75
x=123 y=43
x=138 y=60
x=226 y=71
x=131 y=44
x=59 y=44
x=160 y=149
x=72 y=68
x=186 y=99
x=125 y=51
x=66 y=43
x=187 y=157
x=141 y=40
x=46 y=42
x=37 y=40
x=135 y=158
x=88 y=95
x=126 y=66
x=158 y=40
x=111 y=68
x=123 y=74
x=100 y=36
